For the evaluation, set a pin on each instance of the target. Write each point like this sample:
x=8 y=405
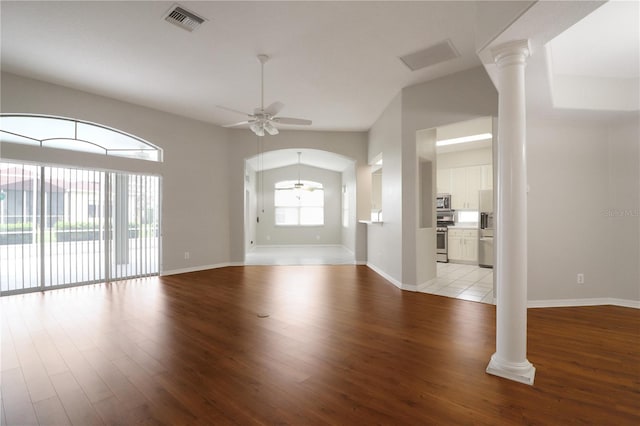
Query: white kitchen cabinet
x=443 y=181
x=454 y=245
x=470 y=245
x=465 y=184
x=474 y=181
x=487 y=177
x=458 y=188
x=463 y=245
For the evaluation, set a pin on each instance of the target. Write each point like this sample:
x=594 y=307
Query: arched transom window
x=74 y=135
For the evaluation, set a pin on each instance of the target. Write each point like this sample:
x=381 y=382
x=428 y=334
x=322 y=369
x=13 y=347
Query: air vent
x=183 y=18
x=430 y=56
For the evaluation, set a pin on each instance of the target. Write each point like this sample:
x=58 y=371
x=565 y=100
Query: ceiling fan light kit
x=263 y=119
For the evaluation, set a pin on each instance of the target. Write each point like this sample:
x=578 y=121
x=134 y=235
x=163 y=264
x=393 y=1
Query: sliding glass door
x=64 y=226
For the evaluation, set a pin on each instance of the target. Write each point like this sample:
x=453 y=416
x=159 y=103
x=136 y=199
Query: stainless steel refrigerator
x=486 y=225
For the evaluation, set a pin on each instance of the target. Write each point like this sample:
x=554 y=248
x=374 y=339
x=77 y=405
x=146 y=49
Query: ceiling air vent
x=182 y=18
x=430 y=56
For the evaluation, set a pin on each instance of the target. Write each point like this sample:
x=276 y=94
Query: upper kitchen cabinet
x=487 y=177
x=464 y=161
x=443 y=181
x=465 y=184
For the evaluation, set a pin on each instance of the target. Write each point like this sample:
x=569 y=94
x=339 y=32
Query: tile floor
x=299 y=255
x=468 y=282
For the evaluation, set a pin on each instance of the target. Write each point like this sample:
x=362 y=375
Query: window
x=74 y=135
x=64 y=226
x=469 y=216
x=299 y=203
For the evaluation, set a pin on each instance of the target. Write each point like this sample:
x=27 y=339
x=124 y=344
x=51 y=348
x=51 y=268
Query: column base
x=523 y=372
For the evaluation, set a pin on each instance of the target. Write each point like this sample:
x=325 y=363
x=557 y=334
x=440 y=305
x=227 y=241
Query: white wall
x=243 y=145
x=578 y=172
x=330 y=233
x=194 y=172
x=472 y=157
x=492 y=17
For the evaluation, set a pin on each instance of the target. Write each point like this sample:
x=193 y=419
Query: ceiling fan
x=300 y=186
x=264 y=119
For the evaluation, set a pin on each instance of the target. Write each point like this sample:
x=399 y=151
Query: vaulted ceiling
x=336 y=63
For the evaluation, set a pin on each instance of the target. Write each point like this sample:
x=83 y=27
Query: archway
x=289 y=225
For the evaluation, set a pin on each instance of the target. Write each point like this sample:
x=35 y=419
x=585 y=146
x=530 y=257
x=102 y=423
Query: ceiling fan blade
x=234 y=110
x=274 y=108
x=291 y=120
x=238 y=124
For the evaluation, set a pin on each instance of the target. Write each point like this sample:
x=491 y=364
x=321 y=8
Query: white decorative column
x=510 y=360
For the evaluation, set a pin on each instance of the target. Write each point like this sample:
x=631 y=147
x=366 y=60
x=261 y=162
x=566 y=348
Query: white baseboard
x=564 y=303
x=392 y=280
x=552 y=303
x=198 y=268
x=296 y=245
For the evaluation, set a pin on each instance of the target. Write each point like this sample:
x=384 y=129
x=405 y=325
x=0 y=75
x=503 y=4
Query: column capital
x=513 y=51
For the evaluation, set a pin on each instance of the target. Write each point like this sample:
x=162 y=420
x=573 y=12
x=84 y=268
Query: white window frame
x=297 y=201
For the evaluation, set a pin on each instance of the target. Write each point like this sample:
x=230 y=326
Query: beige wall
x=243 y=145
x=578 y=172
x=623 y=208
x=194 y=173
x=267 y=233
x=348 y=234
x=384 y=242
x=459 y=97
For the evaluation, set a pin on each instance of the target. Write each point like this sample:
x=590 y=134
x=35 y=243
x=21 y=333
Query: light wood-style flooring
x=340 y=345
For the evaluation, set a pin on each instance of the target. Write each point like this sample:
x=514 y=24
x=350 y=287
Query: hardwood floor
x=340 y=346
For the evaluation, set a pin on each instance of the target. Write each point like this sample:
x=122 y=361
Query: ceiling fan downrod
x=263 y=60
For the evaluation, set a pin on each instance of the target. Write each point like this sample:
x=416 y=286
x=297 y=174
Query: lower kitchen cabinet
x=463 y=245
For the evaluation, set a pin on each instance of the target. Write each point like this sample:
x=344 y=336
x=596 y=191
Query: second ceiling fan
x=264 y=119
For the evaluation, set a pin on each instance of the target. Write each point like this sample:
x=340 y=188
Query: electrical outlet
x=580 y=278
x=187 y=255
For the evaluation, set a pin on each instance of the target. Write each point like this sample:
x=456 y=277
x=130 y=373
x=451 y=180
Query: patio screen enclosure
x=67 y=226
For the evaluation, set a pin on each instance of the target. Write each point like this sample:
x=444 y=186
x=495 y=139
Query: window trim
x=114 y=152
x=316 y=185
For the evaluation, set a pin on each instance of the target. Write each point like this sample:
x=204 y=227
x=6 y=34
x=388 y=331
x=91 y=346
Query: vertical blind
x=67 y=226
